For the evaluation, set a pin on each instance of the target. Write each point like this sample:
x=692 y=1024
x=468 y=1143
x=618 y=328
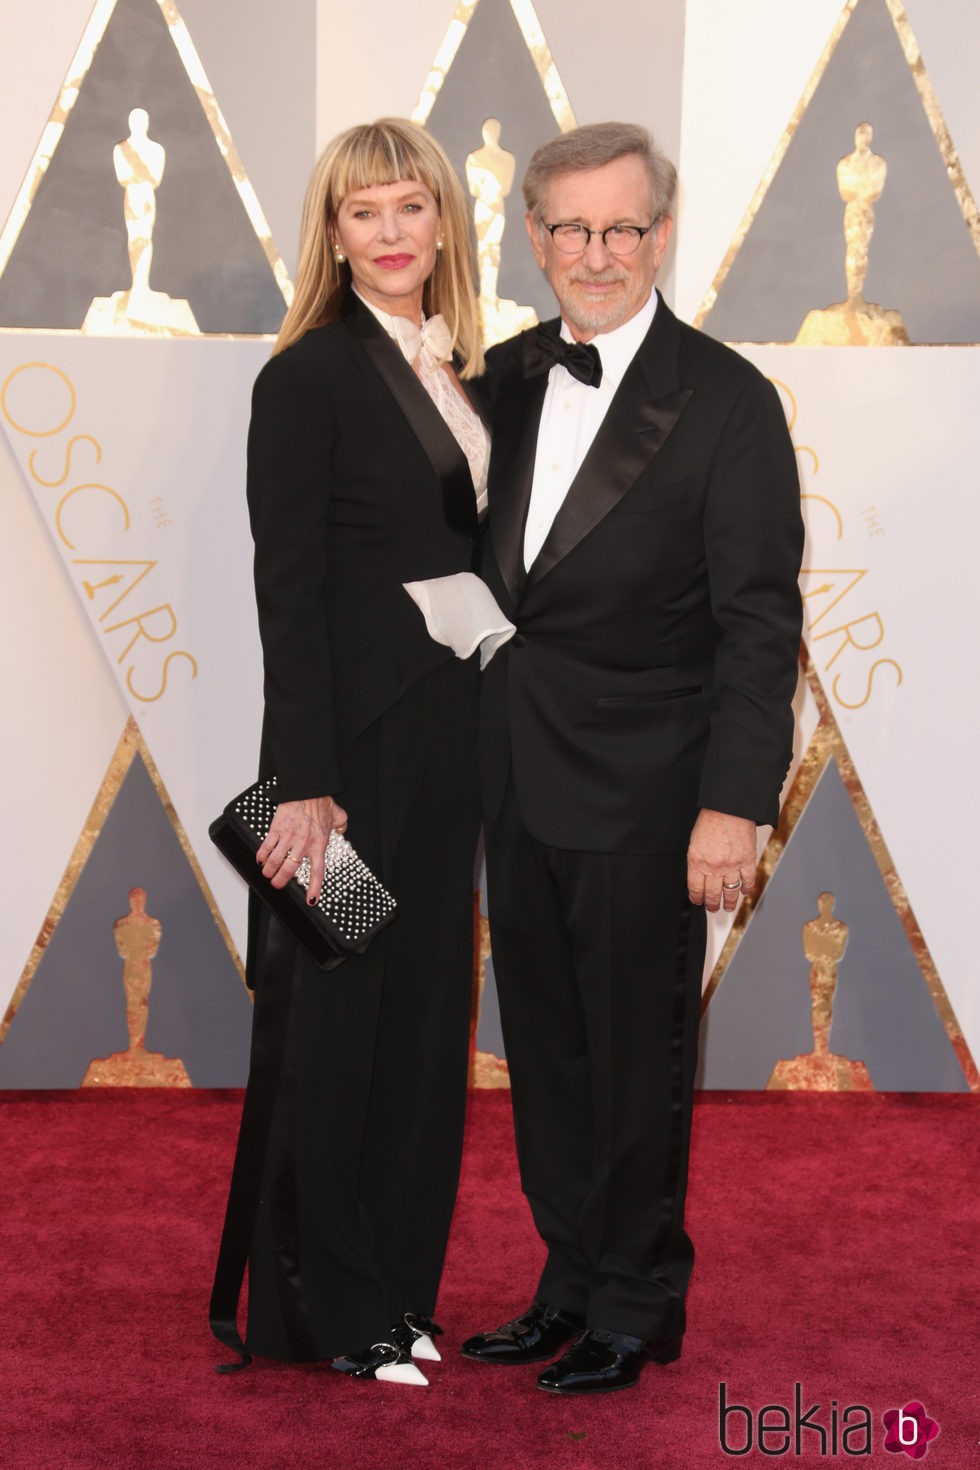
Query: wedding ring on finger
x=732 y=887
x=292 y=858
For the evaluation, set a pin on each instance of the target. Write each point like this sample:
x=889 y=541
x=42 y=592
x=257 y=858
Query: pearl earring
x=341 y=257
x=438 y=244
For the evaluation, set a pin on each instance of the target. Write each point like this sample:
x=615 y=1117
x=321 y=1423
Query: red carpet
x=837 y=1241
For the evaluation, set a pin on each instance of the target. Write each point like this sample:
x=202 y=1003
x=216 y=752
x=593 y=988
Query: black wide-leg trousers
x=363 y=1132
x=598 y=960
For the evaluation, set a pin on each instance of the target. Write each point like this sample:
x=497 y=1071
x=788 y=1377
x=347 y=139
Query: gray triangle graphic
x=75 y=1008
x=493 y=75
x=72 y=246
x=489 y=1032
x=883 y=1014
x=792 y=258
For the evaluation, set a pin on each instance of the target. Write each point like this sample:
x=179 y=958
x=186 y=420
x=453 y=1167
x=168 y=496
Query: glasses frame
x=640 y=229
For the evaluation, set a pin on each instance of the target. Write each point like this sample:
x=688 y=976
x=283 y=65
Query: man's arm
x=753 y=536
x=753 y=545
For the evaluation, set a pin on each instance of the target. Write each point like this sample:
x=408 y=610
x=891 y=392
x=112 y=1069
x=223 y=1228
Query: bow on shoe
x=415 y=1333
x=545 y=348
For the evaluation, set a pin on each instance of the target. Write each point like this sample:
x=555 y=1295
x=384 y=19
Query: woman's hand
x=300 y=829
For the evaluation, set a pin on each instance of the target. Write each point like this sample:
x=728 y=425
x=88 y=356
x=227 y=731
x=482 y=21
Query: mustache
x=605 y=277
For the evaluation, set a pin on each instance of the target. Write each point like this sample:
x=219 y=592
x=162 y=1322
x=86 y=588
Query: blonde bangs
x=380 y=154
x=389 y=151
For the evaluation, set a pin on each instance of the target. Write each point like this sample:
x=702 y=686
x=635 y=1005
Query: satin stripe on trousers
x=598 y=960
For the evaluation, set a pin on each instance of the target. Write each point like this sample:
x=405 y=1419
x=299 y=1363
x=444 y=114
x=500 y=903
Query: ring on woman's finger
x=729 y=887
x=292 y=858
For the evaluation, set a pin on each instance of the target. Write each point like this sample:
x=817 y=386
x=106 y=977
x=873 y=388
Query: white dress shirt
x=570 y=420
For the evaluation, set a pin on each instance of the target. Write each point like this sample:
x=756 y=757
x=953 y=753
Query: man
x=646 y=540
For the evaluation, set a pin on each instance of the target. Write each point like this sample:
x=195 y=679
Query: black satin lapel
x=517 y=413
x=632 y=432
x=478 y=394
x=424 y=419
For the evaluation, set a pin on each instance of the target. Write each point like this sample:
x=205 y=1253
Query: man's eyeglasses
x=572 y=239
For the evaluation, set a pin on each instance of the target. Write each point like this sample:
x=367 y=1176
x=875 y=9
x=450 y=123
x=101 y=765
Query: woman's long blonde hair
x=385 y=152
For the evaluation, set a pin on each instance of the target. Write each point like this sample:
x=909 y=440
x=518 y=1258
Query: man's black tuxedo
x=659 y=626
x=651 y=675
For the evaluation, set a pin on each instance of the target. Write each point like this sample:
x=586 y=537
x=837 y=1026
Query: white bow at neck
x=433 y=338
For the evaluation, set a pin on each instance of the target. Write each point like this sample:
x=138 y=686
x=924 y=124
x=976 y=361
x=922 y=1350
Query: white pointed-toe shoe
x=415 y=1334
x=386 y=1362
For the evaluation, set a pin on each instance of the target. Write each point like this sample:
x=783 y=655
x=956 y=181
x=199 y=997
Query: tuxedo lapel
x=517 y=412
x=424 y=419
x=644 y=410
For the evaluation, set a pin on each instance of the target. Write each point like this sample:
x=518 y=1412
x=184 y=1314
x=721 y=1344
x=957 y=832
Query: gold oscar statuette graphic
x=139 y=163
x=137 y=936
x=490 y=176
x=824 y=943
x=855 y=322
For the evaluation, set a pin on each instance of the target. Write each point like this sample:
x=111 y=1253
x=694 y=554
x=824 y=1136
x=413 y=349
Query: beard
x=602 y=315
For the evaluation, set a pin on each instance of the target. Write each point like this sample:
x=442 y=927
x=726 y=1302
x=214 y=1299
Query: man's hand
x=720 y=860
x=300 y=829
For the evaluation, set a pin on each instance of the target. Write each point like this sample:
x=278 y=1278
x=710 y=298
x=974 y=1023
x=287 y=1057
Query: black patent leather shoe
x=529 y=1339
x=599 y=1361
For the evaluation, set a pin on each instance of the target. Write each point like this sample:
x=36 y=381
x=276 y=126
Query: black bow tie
x=581 y=359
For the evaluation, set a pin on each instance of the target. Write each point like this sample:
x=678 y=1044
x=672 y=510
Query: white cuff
x=461 y=612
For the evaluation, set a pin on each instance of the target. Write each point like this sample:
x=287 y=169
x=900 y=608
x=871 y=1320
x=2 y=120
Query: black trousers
x=362 y=1160
x=598 y=960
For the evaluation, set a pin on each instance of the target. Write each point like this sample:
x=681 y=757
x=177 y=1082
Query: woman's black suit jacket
x=346 y=504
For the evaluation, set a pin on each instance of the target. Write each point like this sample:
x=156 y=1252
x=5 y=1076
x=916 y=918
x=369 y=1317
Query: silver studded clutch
x=353 y=905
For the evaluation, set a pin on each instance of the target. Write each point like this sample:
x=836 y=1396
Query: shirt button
x=554 y=467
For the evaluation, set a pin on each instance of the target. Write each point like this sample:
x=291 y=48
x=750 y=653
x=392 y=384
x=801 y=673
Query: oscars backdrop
x=151 y=175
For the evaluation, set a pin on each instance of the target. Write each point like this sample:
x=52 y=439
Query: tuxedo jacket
x=658 y=629
x=355 y=486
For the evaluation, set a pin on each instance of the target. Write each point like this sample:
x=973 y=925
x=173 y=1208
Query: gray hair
x=593 y=147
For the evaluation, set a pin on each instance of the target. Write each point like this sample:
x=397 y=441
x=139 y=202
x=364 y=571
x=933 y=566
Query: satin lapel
x=424 y=419
x=644 y=410
x=517 y=412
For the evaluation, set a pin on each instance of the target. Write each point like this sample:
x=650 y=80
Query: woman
x=365 y=462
